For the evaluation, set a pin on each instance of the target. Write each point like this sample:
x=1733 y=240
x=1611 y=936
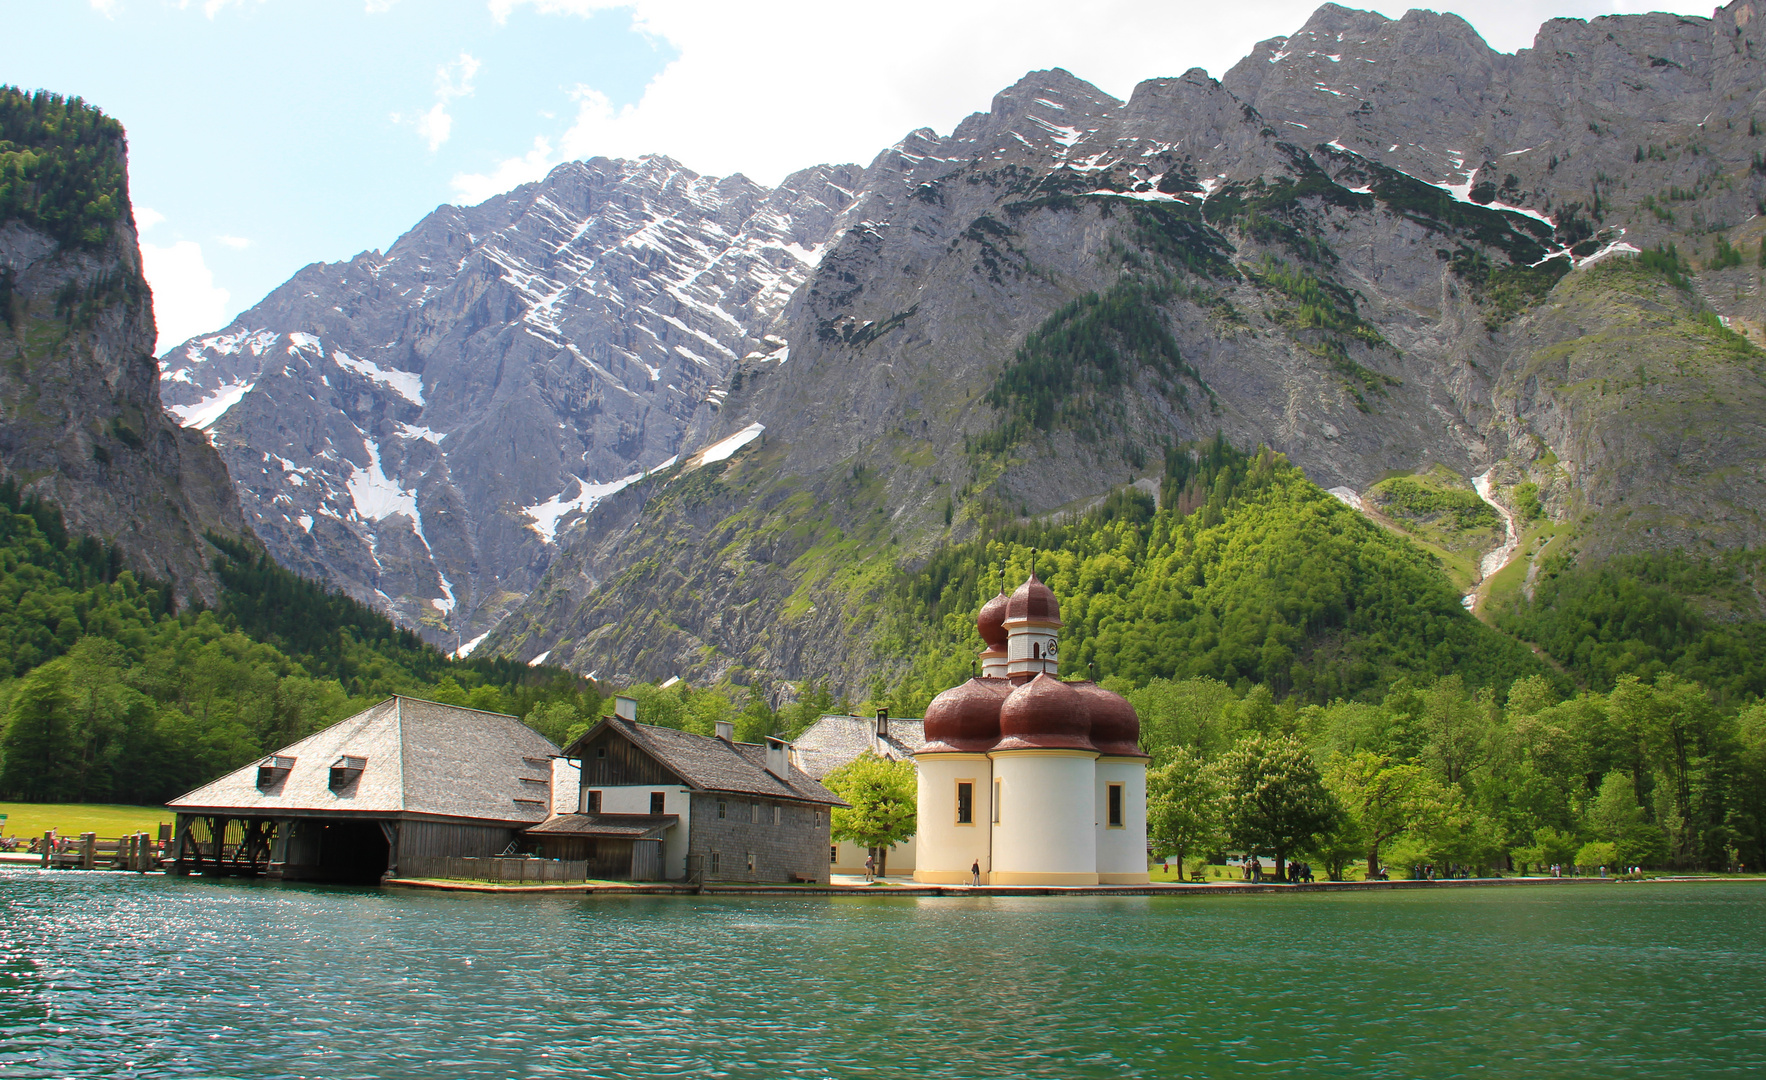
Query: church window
x=996 y=802
x=1036 y=650
x=1115 y=806
x=965 y=802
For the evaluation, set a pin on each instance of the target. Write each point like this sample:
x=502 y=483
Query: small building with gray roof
x=836 y=739
x=400 y=783
x=716 y=809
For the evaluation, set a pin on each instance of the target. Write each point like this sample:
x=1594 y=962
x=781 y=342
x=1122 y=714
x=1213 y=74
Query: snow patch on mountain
x=204 y=413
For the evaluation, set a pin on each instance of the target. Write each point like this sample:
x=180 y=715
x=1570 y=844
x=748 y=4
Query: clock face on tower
x=1050 y=653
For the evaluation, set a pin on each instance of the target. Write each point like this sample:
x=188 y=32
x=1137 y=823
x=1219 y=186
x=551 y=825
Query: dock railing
x=139 y=852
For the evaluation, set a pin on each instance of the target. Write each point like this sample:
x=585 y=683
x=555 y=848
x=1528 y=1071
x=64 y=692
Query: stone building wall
x=798 y=844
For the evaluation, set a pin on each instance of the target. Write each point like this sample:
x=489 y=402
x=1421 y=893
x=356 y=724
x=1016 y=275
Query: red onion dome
x=1115 y=726
x=965 y=719
x=1044 y=714
x=992 y=621
x=1034 y=601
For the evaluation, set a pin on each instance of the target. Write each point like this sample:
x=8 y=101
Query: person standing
x=975 y=873
x=870 y=867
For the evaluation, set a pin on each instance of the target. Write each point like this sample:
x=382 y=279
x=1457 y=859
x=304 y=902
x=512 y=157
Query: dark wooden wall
x=624 y=764
x=443 y=839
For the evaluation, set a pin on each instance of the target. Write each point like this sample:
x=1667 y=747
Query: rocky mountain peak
x=420 y=427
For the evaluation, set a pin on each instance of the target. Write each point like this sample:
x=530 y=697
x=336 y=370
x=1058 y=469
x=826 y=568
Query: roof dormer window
x=346 y=770
x=273 y=770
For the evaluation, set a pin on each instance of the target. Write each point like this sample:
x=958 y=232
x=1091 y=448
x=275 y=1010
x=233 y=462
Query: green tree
x=1183 y=806
x=1617 y=818
x=1597 y=853
x=883 y=795
x=40 y=761
x=1200 y=714
x=1274 y=798
x=1385 y=799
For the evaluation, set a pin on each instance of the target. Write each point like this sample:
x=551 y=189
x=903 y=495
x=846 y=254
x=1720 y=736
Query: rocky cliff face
x=80 y=417
x=1375 y=245
x=420 y=427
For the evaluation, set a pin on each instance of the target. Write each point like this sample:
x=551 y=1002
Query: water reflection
x=105 y=975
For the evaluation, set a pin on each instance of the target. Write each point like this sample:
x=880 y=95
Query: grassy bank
x=108 y=820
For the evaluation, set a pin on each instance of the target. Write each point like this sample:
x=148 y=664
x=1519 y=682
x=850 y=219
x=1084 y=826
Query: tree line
x=1651 y=773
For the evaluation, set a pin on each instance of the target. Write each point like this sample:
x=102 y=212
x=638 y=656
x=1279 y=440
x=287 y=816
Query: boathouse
x=705 y=808
x=385 y=791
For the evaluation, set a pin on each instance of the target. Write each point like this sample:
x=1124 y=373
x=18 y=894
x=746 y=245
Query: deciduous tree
x=1183 y=806
x=883 y=794
x=1274 y=798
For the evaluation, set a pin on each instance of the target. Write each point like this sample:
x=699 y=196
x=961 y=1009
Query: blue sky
x=266 y=134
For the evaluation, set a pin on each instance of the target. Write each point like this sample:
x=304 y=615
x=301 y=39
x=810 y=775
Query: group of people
x=1297 y=873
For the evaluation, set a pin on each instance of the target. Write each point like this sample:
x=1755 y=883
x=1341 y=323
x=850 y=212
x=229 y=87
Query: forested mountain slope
x=1376 y=246
x=80 y=416
x=108 y=693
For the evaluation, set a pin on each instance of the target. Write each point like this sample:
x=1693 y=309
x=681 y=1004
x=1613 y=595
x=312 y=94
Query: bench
x=804 y=879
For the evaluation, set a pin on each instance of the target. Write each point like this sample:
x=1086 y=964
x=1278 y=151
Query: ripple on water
x=129 y=976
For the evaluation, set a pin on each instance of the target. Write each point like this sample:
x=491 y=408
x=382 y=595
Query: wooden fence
x=511 y=870
x=139 y=852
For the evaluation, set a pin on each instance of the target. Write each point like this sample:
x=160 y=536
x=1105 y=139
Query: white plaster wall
x=902 y=858
x=566 y=785
x=1019 y=649
x=1047 y=826
x=635 y=799
x=944 y=849
x=1122 y=853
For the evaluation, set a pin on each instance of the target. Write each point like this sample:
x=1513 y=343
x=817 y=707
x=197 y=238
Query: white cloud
x=106 y=8
x=770 y=86
x=237 y=243
x=146 y=218
x=212 y=7
x=477 y=187
x=452 y=80
x=186 y=300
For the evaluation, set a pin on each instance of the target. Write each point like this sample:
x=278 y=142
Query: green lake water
x=116 y=975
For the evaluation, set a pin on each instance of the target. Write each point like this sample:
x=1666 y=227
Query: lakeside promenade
x=904 y=887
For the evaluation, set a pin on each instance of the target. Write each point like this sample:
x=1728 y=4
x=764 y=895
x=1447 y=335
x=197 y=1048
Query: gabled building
x=715 y=809
x=833 y=741
x=374 y=795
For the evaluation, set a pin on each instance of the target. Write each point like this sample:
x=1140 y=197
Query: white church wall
x=1044 y=835
x=946 y=848
x=1122 y=850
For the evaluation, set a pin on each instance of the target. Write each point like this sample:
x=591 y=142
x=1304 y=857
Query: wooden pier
x=139 y=852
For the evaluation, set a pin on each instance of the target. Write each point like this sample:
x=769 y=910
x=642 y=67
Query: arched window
x=1036 y=650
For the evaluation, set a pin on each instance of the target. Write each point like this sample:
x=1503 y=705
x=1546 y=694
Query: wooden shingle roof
x=836 y=739
x=711 y=764
x=416 y=757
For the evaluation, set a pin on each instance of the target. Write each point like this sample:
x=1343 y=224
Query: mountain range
x=640 y=422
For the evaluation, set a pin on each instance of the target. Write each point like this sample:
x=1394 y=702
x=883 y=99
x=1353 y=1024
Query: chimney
x=626 y=708
x=778 y=758
x=882 y=725
x=726 y=730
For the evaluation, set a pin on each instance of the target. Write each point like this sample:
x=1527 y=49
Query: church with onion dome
x=1037 y=780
